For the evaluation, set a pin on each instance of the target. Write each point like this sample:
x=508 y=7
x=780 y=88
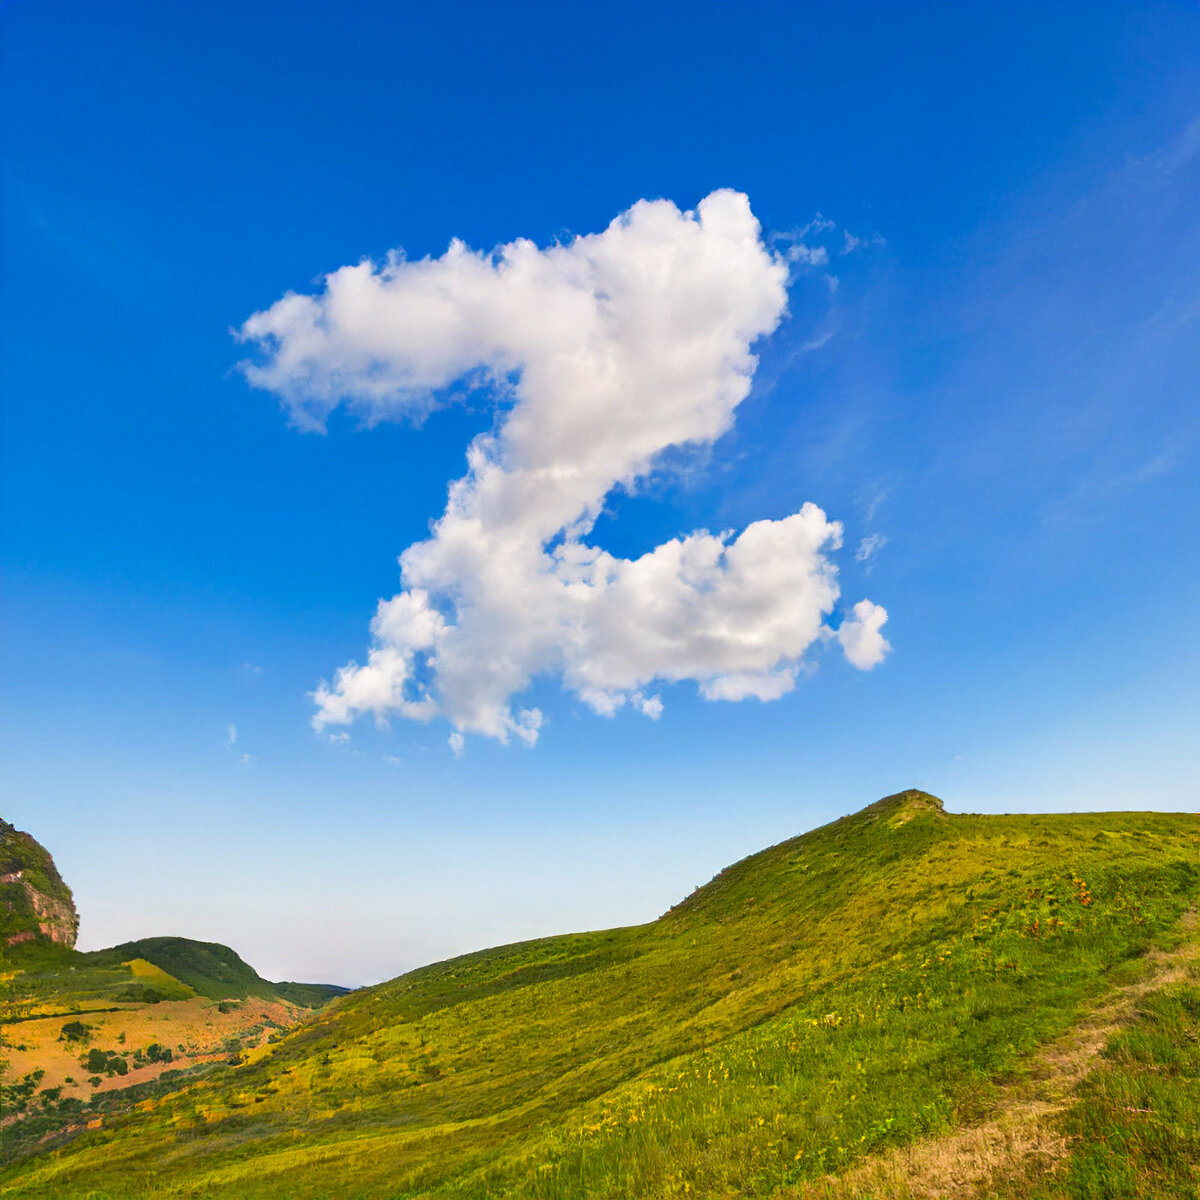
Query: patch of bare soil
x=1020 y=1139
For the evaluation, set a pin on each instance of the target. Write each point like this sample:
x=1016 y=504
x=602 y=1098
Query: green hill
x=880 y=982
x=208 y=968
x=43 y=978
x=216 y=971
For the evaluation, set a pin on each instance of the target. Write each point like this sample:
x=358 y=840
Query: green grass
x=208 y=968
x=845 y=991
x=1137 y=1118
x=43 y=979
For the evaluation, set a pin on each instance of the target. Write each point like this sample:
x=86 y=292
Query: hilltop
x=878 y=984
x=35 y=904
x=212 y=970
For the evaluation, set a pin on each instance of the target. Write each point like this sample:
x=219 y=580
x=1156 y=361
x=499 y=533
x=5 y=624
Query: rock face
x=35 y=904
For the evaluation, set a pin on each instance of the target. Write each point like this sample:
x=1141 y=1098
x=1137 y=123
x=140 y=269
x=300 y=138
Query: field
x=818 y=1015
x=84 y=1035
x=193 y=1031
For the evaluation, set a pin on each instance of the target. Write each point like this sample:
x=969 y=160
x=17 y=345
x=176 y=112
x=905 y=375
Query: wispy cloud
x=231 y=736
x=812 y=244
x=869 y=547
x=1103 y=486
x=810 y=256
x=878 y=496
x=852 y=242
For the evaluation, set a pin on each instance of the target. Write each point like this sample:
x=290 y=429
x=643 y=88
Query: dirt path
x=1022 y=1136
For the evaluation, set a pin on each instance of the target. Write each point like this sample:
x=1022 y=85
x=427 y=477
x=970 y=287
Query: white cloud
x=611 y=348
x=794 y=247
x=763 y=685
x=392 y=760
x=457 y=743
x=819 y=224
x=230 y=735
x=869 y=547
x=809 y=256
x=247 y=759
x=862 y=643
x=850 y=242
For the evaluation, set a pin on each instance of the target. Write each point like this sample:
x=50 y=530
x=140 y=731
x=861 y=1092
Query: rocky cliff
x=35 y=904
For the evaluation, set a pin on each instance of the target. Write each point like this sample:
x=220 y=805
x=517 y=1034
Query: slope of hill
x=212 y=970
x=208 y=968
x=873 y=983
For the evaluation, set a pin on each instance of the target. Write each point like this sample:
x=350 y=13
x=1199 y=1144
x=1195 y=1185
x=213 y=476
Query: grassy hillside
x=208 y=968
x=879 y=980
x=42 y=979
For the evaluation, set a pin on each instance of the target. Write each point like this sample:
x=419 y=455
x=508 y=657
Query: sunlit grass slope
x=216 y=971
x=838 y=993
x=44 y=978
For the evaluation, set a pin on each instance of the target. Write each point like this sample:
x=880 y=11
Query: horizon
x=904 y=793
x=830 y=383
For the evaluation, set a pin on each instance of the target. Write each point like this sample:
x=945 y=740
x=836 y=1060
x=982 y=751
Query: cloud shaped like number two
x=614 y=347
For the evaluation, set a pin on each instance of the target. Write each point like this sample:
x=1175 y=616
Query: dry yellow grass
x=195 y=1030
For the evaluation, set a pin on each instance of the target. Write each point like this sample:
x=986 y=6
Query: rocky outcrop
x=35 y=903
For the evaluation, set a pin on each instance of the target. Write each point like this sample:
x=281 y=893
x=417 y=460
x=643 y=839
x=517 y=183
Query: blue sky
x=1000 y=389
